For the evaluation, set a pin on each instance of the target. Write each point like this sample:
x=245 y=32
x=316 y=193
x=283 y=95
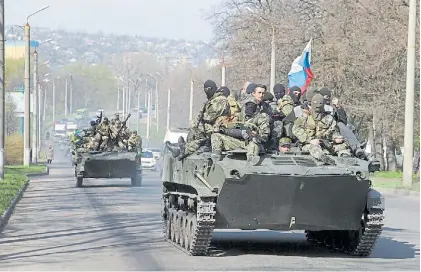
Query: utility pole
x=191 y=98
x=27 y=82
x=66 y=109
x=54 y=100
x=45 y=103
x=71 y=94
x=168 y=109
x=409 y=100
x=272 y=61
x=35 y=110
x=38 y=143
x=157 y=105
x=223 y=69
x=27 y=115
x=138 y=111
x=2 y=91
x=118 y=94
x=149 y=117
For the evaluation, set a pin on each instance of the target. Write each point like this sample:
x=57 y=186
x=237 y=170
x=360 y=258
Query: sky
x=150 y=18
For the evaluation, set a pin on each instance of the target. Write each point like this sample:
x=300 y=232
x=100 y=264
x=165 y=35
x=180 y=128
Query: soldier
x=102 y=134
x=315 y=129
x=134 y=141
x=217 y=106
x=116 y=117
x=249 y=90
x=327 y=94
x=265 y=106
x=253 y=133
x=290 y=100
x=279 y=91
x=234 y=107
x=284 y=144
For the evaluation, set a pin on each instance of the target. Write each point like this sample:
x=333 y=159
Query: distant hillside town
x=65 y=47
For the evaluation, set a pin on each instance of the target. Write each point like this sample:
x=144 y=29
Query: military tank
x=108 y=164
x=335 y=205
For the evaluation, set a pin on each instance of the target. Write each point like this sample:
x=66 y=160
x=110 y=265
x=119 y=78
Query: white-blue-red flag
x=300 y=74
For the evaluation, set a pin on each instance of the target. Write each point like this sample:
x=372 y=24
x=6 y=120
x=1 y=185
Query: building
x=15 y=49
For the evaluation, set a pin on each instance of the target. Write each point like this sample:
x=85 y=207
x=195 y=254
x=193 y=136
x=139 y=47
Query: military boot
x=175 y=150
x=253 y=160
x=327 y=160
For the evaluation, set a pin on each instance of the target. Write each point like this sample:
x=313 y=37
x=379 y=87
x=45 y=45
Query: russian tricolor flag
x=300 y=74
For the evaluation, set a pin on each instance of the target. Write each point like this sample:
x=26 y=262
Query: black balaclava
x=249 y=109
x=251 y=87
x=326 y=92
x=279 y=91
x=209 y=88
x=93 y=123
x=225 y=91
x=317 y=103
x=106 y=121
x=295 y=98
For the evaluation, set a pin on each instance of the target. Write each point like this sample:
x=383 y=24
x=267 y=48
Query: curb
x=6 y=215
x=398 y=192
x=4 y=218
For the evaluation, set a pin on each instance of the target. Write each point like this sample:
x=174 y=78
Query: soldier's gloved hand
x=245 y=134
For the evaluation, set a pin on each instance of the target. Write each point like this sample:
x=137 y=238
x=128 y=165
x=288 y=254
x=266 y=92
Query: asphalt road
x=109 y=225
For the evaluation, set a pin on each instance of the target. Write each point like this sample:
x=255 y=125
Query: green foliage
x=14 y=72
x=14 y=179
x=94 y=86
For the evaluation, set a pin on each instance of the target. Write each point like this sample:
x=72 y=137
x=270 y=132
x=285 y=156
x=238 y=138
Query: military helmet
x=285 y=141
x=105 y=119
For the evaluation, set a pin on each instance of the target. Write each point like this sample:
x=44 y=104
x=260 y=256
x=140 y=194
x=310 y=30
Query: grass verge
x=14 y=179
x=385 y=181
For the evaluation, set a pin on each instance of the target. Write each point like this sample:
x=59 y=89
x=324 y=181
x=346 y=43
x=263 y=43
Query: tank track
x=189 y=229
x=354 y=243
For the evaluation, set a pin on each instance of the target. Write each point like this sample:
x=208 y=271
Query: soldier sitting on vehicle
x=102 y=134
x=289 y=101
x=199 y=133
x=134 y=141
x=250 y=132
x=316 y=130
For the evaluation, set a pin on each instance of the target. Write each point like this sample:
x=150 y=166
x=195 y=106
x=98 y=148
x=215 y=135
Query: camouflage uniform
x=102 y=134
x=134 y=141
x=286 y=105
x=259 y=123
x=319 y=126
x=234 y=106
x=215 y=107
x=116 y=135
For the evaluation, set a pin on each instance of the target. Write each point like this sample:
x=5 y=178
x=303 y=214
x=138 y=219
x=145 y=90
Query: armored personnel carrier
x=108 y=164
x=334 y=205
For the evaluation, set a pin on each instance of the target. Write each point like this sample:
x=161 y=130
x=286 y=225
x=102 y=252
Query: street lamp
x=168 y=103
x=273 y=53
x=27 y=77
